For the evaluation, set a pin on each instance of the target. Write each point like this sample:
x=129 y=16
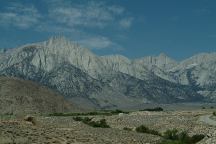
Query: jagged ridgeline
x=111 y=81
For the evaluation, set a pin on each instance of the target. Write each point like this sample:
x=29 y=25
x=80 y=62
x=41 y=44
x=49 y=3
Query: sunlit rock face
x=111 y=81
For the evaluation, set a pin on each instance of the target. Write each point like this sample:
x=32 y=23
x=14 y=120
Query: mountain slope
x=156 y=90
x=21 y=96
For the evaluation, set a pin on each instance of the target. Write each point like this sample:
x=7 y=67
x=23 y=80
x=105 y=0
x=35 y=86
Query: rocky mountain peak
x=162 y=61
x=164 y=58
x=162 y=55
x=117 y=58
x=2 y=51
x=60 y=42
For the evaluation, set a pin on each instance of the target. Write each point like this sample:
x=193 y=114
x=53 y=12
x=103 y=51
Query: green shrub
x=173 y=137
x=56 y=114
x=196 y=138
x=93 y=113
x=127 y=129
x=144 y=129
x=184 y=137
x=214 y=113
x=171 y=134
x=9 y=114
x=154 y=132
x=102 y=123
x=86 y=120
x=171 y=142
x=158 y=109
x=77 y=118
x=106 y=113
x=117 y=111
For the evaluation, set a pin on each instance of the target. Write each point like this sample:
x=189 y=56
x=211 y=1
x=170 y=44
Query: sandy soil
x=64 y=130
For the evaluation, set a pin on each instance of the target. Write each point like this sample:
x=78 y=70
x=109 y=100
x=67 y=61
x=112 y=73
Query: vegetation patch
x=77 y=118
x=174 y=137
x=127 y=129
x=106 y=113
x=214 y=113
x=86 y=120
x=158 y=109
x=117 y=111
x=144 y=129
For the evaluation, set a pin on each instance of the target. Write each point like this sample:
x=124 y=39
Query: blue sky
x=133 y=28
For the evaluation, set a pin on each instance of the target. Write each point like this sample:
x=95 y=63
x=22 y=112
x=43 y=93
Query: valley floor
x=65 y=130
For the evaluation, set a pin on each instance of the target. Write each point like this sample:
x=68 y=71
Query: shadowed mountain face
x=23 y=96
x=111 y=81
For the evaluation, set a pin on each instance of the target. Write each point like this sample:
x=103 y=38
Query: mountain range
x=112 y=81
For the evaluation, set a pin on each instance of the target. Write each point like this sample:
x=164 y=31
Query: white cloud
x=68 y=18
x=96 y=42
x=116 y=9
x=53 y=28
x=65 y=15
x=99 y=42
x=126 y=22
x=20 y=16
x=90 y=14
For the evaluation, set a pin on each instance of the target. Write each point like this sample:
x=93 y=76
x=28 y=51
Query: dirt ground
x=64 y=130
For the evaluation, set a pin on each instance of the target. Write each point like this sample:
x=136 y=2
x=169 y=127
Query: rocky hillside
x=111 y=81
x=22 y=96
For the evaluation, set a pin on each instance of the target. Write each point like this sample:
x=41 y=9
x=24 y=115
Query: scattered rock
x=30 y=119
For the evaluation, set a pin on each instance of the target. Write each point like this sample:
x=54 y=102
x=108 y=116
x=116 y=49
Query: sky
x=133 y=28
